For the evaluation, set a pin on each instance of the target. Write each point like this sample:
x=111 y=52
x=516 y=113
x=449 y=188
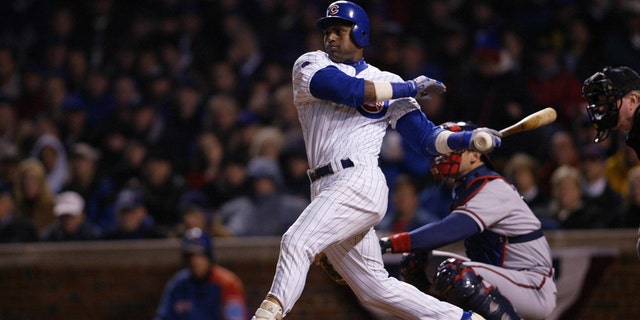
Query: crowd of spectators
x=169 y=114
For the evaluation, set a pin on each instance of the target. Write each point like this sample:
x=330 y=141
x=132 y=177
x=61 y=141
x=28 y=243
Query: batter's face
x=338 y=43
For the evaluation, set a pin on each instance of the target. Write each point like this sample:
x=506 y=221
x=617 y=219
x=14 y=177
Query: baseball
x=483 y=141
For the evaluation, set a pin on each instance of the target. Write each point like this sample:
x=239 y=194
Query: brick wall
x=124 y=280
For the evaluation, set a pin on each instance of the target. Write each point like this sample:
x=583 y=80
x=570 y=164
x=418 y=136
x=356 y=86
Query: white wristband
x=441 y=142
x=384 y=91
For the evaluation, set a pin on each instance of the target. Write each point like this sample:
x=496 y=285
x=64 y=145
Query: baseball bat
x=530 y=122
x=484 y=141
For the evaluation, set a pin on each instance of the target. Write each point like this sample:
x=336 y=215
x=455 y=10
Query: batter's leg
x=359 y=261
x=330 y=218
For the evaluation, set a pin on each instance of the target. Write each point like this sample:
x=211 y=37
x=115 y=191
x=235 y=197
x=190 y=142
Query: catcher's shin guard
x=461 y=286
x=270 y=309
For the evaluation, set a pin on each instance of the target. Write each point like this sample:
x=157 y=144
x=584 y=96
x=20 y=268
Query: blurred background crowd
x=139 y=119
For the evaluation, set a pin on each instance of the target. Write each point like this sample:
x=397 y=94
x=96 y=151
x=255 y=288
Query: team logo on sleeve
x=374 y=111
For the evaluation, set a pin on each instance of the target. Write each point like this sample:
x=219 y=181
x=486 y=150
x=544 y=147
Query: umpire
x=613 y=97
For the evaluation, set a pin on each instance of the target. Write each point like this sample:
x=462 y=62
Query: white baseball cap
x=69 y=202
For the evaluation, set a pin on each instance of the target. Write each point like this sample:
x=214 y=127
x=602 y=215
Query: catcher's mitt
x=323 y=262
x=413 y=269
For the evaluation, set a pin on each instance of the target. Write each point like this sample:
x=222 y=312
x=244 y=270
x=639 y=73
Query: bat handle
x=483 y=142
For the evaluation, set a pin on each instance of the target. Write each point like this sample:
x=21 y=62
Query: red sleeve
x=233 y=296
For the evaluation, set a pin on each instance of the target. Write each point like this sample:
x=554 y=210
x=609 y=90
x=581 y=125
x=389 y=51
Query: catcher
x=509 y=273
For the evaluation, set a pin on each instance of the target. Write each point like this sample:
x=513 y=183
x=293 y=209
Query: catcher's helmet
x=602 y=91
x=349 y=11
x=446 y=166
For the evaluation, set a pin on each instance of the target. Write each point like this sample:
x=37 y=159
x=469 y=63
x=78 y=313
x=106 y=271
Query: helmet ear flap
x=360 y=35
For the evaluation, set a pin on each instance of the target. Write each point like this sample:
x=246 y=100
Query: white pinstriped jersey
x=346 y=205
x=332 y=131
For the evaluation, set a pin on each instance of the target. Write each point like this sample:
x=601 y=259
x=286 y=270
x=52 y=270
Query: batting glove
x=397 y=243
x=496 y=135
x=465 y=140
x=425 y=86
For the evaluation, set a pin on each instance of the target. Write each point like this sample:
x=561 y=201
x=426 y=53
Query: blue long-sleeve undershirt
x=419 y=132
x=454 y=227
x=334 y=85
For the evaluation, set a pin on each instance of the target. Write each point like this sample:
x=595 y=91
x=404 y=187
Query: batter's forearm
x=369 y=92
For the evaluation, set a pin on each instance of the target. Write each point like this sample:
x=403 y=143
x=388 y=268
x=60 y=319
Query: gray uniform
x=520 y=268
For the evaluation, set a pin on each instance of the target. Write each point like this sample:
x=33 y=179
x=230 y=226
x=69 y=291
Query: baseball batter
x=510 y=275
x=345 y=107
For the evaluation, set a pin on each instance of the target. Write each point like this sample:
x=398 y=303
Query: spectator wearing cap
x=195 y=212
x=161 y=188
x=130 y=164
x=596 y=188
x=266 y=203
x=202 y=289
x=71 y=223
x=229 y=180
x=86 y=180
x=98 y=98
x=13 y=227
x=73 y=123
x=185 y=123
x=133 y=219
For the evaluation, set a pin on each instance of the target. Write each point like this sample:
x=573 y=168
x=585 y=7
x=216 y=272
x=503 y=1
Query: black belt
x=326 y=170
x=533 y=235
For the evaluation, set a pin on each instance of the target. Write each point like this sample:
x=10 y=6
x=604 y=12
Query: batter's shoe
x=268 y=310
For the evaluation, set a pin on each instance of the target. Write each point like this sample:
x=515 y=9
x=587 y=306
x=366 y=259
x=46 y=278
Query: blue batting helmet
x=349 y=11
